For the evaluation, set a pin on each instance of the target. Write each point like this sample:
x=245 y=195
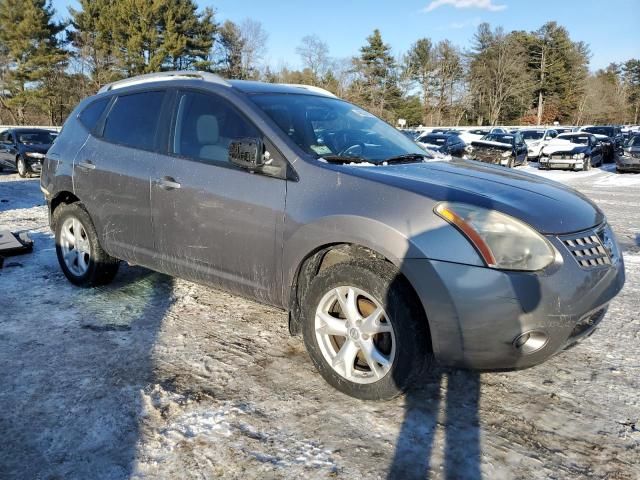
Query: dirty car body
x=363 y=194
x=507 y=149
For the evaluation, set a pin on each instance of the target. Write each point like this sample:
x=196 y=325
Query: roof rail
x=162 y=76
x=311 y=88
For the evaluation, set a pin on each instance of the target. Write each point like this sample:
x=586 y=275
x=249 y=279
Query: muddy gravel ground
x=153 y=377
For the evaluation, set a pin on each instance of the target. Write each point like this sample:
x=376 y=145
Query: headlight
x=506 y=154
x=578 y=156
x=502 y=241
x=34 y=154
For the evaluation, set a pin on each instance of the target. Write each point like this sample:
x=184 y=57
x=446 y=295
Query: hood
x=35 y=147
x=491 y=144
x=548 y=206
x=565 y=146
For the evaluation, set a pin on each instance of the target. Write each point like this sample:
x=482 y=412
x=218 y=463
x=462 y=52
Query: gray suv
x=384 y=258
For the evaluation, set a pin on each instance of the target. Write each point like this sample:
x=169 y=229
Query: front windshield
x=434 y=140
x=634 y=141
x=329 y=127
x=532 y=135
x=35 y=137
x=581 y=139
x=499 y=137
x=600 y=130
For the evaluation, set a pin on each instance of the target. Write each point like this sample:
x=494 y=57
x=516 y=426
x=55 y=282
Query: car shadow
x=74 y=365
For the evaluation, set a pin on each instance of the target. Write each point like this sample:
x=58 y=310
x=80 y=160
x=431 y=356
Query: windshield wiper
x=407 y=158
x=344 y=159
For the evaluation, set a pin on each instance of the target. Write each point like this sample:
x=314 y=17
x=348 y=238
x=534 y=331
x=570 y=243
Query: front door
x=213 y=221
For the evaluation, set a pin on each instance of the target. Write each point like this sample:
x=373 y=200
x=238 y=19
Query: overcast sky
x=611 y=27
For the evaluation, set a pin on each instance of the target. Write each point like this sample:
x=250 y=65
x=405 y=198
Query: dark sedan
x=446 y=143
x=23 y=149
x=610 y=138
x=629 y=159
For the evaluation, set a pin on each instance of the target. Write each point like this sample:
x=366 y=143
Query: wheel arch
x=64 y=197
x=330 y=254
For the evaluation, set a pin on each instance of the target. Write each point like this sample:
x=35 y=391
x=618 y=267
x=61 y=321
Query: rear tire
x=82 y=259
x=362 y=313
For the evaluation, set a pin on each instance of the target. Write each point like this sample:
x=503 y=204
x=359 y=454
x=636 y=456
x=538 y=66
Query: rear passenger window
x=133 y=120
x=206 y=125
x=91 y=114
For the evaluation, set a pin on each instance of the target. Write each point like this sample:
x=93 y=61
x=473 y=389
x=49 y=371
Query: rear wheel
x=365 y=330
x=22 y=167
x=80 y=255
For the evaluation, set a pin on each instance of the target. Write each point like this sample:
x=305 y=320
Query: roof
x=249 y=86
x=242 y=85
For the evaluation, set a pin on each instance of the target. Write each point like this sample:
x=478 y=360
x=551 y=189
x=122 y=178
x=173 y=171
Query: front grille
x=588 y=249
x=560 y=157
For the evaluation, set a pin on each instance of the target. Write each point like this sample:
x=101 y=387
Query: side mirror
x=247 y=153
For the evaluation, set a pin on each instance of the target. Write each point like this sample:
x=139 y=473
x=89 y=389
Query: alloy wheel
x=75 y=246
x=355 y=335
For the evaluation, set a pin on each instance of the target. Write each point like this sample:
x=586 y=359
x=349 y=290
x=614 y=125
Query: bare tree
x=314 y=54
x=254 y=46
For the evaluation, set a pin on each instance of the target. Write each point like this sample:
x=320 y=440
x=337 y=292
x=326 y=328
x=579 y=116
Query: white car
x=572 y=151
x=536 y=139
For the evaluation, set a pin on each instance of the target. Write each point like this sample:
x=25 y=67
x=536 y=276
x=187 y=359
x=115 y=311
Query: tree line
x=516 y=77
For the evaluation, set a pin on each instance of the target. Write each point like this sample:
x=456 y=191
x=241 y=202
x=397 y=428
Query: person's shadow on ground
x=458 y=393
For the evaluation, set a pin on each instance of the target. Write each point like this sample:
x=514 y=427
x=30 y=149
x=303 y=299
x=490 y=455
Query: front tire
x=22 y=167
x=82 y=259
x=586 y=166
x=364 y=329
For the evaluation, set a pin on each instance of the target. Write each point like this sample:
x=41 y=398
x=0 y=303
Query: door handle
x=87 y=164
x=168 y=183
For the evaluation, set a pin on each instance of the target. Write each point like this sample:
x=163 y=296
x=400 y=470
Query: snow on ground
x=153 y=377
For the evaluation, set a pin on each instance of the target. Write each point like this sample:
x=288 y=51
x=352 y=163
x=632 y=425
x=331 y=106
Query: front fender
x=441 y=241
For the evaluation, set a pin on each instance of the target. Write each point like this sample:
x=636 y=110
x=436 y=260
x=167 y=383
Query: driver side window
x=205 y=125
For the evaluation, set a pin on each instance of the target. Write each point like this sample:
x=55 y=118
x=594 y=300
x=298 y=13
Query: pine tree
x=419 y=66
x=229 y=51
x=92 y=40
x=31 y=53
x=377 y=87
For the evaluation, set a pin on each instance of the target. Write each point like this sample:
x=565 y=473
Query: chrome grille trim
x=587 y=248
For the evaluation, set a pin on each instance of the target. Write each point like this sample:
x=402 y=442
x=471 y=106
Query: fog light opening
x=530 y=342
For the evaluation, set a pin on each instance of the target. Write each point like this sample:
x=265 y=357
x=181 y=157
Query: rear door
x=213 y=221
x=112 y=173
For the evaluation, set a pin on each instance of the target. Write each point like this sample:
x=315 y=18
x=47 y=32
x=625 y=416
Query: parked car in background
x=611 y=138
x=629 y=159
x=573 y=151
x=536 y=139
x=383 y=260
x=563 y=129
x=23 y=149
x=445 y=143
x=507 y=149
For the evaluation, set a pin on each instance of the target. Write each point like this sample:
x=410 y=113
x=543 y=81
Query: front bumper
x=568 y=163
x=628 y=164
x=477 y=315
x=34 y=164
